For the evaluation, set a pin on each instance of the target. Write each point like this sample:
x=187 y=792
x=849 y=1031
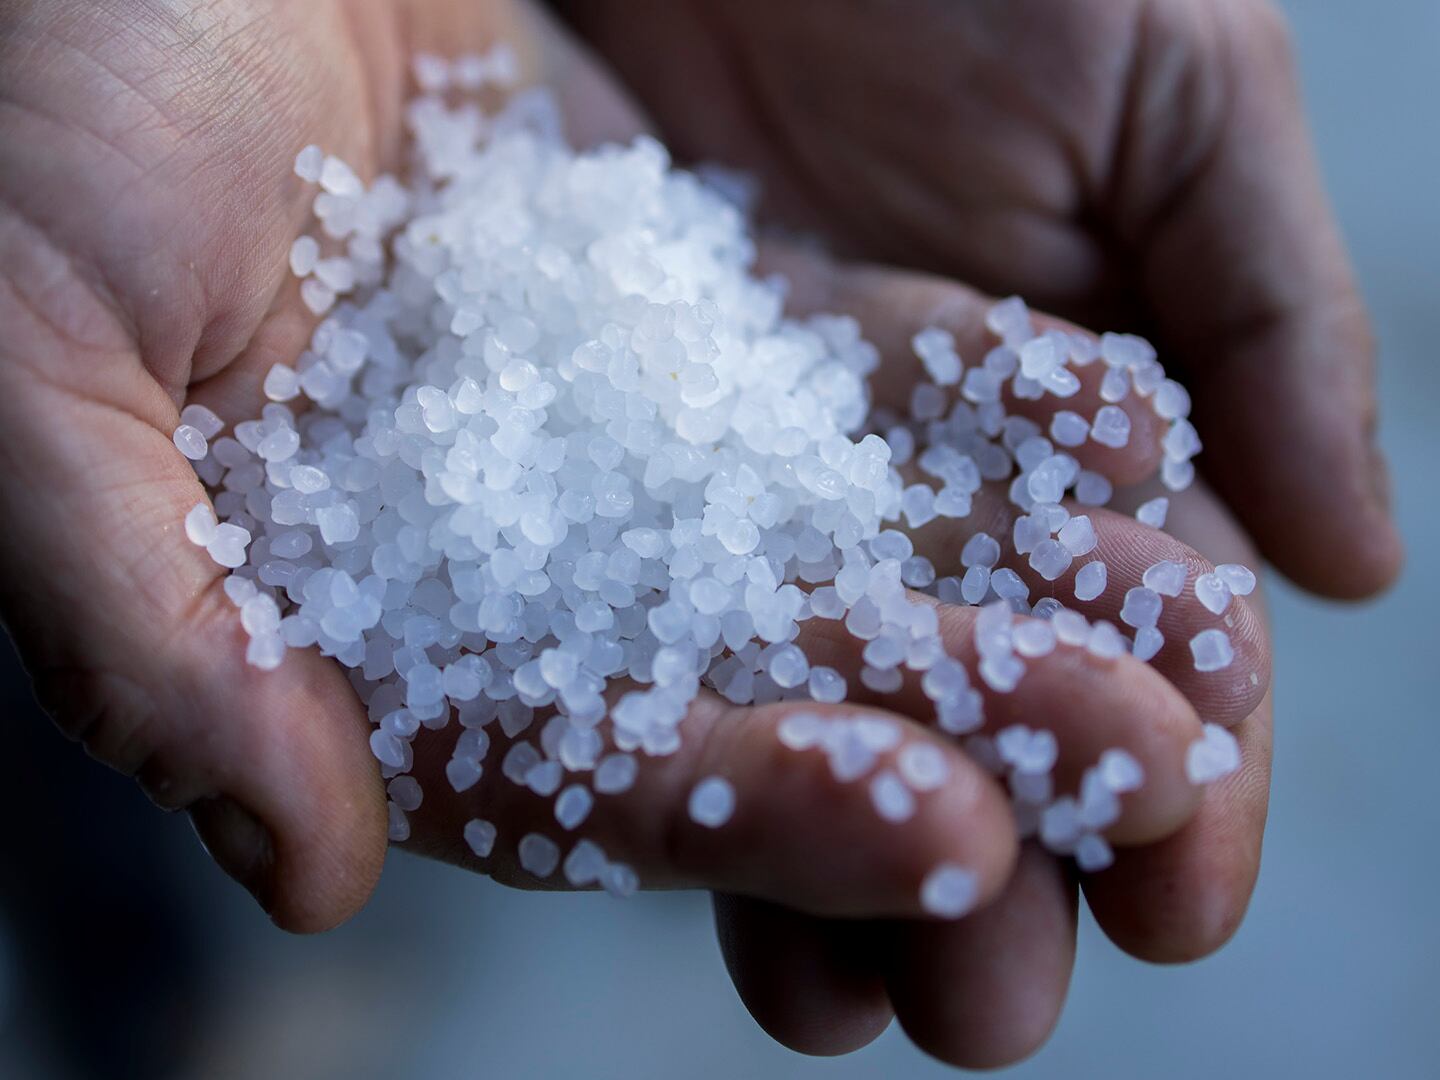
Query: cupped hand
x=146 y=206
x=1135 y=164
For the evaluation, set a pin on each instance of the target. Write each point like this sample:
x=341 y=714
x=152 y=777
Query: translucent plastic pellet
x=480 y=836
x=1141 y=607
x=1090 y=581
x=1105 y=641
x=1238 y=579
x=573 y=806
x=980 y=550
x=203 y=419
x=1111 y=427
x=1212 y=650
x=308 y=163
x=1165 y=577
x=200 y=524
x=1050 y=559
x=949 y=891
x=1078 y=536
x=1120 y=771
x=892 y=799
x=1214 y=756
x=1148 y=643
x=801 y=731
x=615 y=774
x=1153 y=512
x=1093 y=854
x=539 y=855
x=712 y=802
x=304 y=256
x=922 y=766
x=190 y=442
x=1213 y=593
x=1069 y=428
x=1034 y=639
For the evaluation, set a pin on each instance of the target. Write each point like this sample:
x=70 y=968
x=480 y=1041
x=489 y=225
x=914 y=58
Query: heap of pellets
x=556 y=433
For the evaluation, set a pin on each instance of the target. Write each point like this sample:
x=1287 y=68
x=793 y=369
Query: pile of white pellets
x=553 y=437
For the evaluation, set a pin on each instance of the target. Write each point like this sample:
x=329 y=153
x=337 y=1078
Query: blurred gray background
x=1336 y=973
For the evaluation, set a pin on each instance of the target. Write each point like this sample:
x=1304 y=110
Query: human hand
x=1136 y=164
x=147 y=205
x=139 y=651
x=986 y=991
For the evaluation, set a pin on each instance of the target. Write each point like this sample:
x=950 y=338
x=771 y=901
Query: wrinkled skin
x=1138 y=164
x=146 y=206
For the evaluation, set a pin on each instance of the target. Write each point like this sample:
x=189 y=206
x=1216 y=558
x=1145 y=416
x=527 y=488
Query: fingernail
x=238 y=843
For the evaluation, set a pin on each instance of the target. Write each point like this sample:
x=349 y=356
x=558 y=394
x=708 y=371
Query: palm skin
x=146 y=205
x=1135 y=163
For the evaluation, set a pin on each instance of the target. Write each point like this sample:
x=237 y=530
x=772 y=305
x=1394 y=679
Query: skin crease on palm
x=146 y=206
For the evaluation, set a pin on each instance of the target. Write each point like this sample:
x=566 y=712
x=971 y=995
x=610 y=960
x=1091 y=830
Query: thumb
x=1252 y=290
x=137 y=652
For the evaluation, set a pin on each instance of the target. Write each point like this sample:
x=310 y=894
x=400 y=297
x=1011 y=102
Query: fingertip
x=1186 y=928
x=328 y=814
x=1363 y=559
x=842 y=856
x=986 y=992
x=1094 y=704
x=301 y=886
x=1129 y=549
x=1185 y=897
x=1168 y=725
x=320 y=883
x=807 y=982
x=288 y=749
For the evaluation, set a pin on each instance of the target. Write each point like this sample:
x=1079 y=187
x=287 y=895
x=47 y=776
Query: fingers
x=1185 y=896
x=1280 y=350
x=982 y=992
x=1128 y=549
x=987 y=991
x=1092 y=705
x=139 y=655
x=815 y=985
x=834 y=854
x=1089 y=703
x=892 y=305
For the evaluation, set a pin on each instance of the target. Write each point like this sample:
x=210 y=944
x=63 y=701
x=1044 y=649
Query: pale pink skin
x=146 y=211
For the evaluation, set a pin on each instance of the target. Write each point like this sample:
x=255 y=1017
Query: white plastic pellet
x=1214 y=756
x=712 y=802
x=1212 y=650
x=539 y=855
x=480 y=836
x=949 y=891
x=1090 y=581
